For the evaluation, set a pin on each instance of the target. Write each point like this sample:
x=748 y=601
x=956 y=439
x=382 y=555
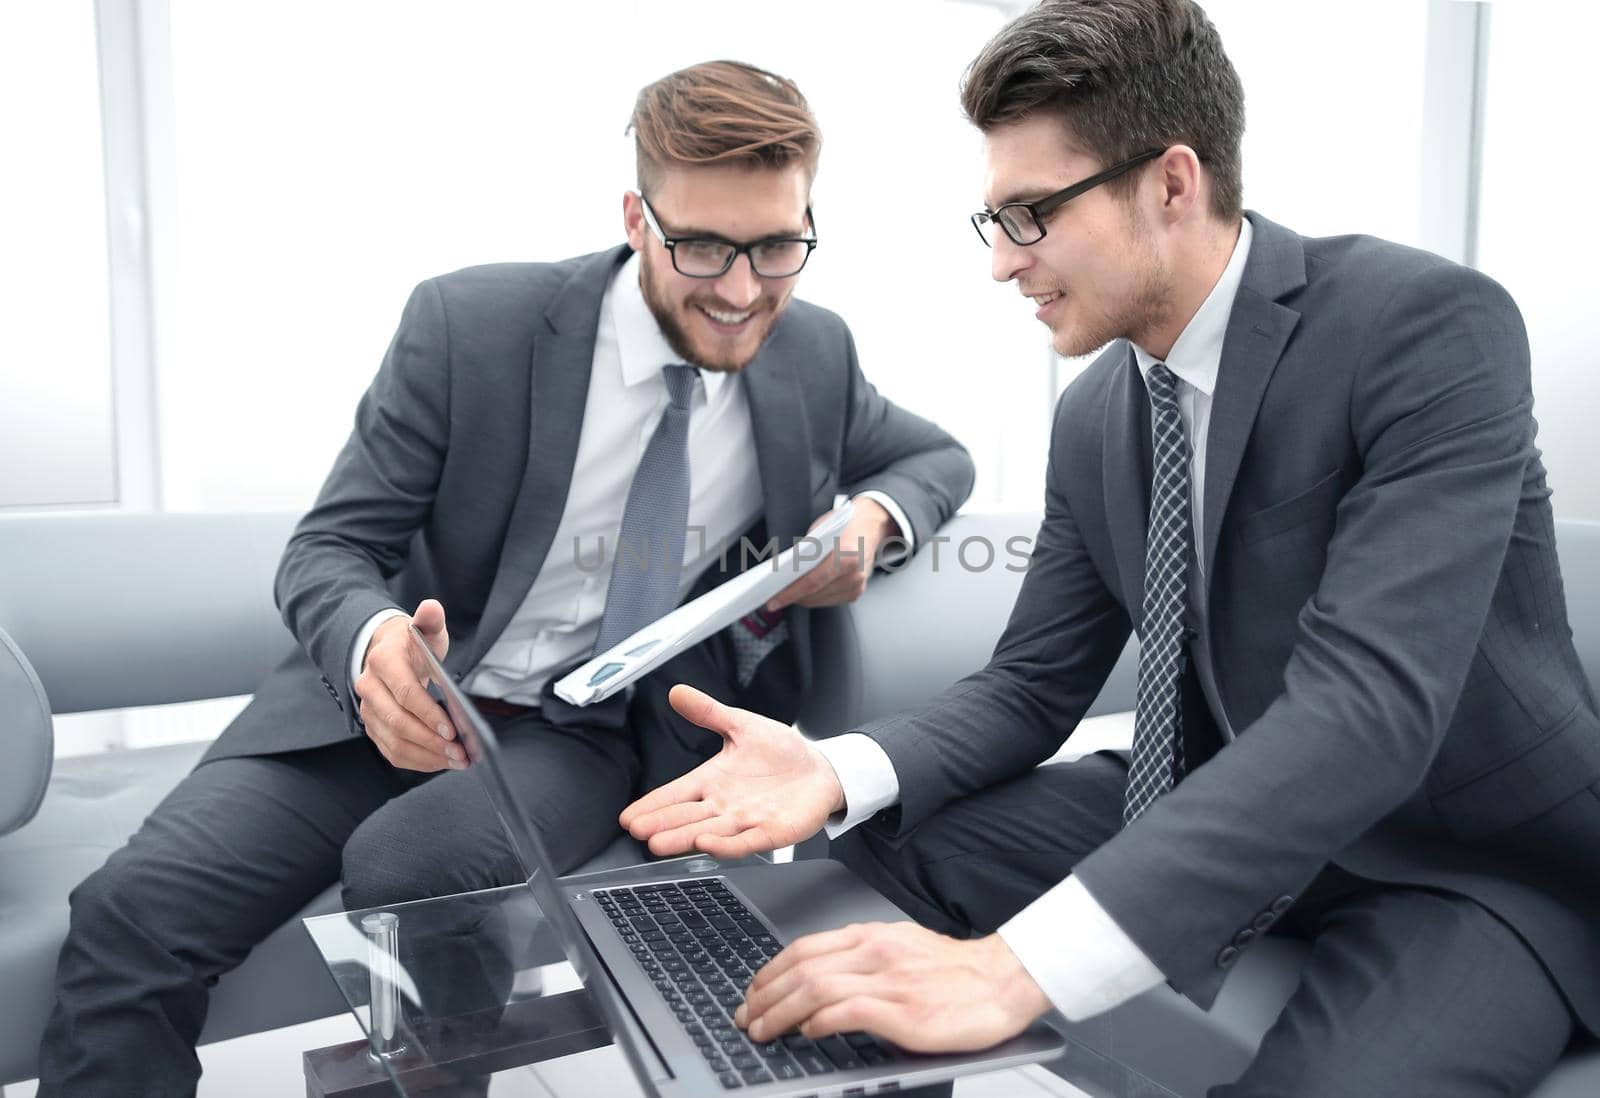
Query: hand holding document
x=694 y=621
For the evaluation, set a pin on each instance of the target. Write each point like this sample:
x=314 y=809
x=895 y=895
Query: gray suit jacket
x=1386 y=621
x=453 y=481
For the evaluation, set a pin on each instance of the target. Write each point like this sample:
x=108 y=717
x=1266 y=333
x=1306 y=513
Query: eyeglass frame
x=1044 y=207
x=747 y=250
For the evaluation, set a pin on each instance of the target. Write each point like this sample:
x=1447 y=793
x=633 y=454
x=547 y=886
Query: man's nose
x=1007 y=259
x=739 y=286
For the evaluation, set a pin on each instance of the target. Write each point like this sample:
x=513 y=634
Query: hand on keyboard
x=923 y=991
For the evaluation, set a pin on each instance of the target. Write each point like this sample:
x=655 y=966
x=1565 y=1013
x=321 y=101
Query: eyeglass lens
x=773 y=259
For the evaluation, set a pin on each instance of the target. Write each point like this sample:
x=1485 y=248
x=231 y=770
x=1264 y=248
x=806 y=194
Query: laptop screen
x=483 y=758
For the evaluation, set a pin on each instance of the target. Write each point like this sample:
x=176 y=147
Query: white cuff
x=358 y=654
x=1076 y=953
x=894 y=554
x=868 y=777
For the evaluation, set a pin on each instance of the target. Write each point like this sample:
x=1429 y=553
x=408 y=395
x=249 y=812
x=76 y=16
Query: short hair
x=1125 y=76
x=722 y=112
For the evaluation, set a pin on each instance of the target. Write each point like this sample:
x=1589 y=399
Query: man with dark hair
x=1304 y=473
x=557 y=453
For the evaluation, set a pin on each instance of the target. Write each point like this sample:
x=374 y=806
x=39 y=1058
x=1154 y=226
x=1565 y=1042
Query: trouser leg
x=980 y=860
x=1410 y=991
x=443 y=837
x=236 y=848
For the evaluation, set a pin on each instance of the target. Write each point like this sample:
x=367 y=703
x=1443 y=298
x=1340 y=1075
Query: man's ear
x=633 y=220
x=1181 y=181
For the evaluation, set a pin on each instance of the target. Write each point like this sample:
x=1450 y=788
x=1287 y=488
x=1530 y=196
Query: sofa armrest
x=29 y=738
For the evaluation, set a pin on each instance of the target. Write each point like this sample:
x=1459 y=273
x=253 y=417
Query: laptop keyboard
x=700 y=945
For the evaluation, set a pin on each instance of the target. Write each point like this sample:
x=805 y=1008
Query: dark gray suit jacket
x=1386 y=621
x=453 y=481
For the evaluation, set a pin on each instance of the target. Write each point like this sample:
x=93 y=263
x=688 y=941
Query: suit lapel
x=783 y=457
x=1127 y=480
x=1258 y=330
x=560 y=365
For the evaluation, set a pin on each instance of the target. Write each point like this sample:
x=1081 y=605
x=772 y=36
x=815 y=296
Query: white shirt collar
x=641 y=347
x=1197 y=352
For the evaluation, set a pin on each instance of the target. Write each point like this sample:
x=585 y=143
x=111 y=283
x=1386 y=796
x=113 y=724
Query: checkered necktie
x=1158 y=724
x=649 y=564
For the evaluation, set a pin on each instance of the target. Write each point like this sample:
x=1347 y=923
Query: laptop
x=666 y=950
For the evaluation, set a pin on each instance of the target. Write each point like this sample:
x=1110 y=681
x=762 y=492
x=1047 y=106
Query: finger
x=410 y=695
x=806 y=999
x=429 y=620
x=777 y=986
x=684 y=790
x=399 y=751
x=398 y=731
x=872 y=1013
x=707 y=712
x=808 y=948
x=845 y=588
x=755 y=840
x=674 y=816
x=813 y=581
x=682 y=840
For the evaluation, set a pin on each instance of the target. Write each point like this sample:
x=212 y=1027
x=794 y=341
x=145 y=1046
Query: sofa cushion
x=92 y=806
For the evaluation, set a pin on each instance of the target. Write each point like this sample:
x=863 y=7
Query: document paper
x=694 y=621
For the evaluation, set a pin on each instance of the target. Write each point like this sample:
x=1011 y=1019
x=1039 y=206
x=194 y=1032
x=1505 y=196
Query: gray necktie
x=1158 y=723
x=649 y=564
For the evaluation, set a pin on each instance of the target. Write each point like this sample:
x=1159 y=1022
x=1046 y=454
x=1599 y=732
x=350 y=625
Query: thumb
x=429 y=620
x=701 y=708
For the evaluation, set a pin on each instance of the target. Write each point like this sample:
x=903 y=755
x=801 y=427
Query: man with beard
x=1304 y=473
x=550 y=457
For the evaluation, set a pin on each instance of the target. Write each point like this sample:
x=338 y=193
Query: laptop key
x=785 y=1069
x=754 y=1076
x=843 y=1056
x=812 y=1061
x=729 y=1080
x=860 y=1040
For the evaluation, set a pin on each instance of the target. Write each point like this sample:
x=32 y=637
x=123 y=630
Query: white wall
x=1540 y=231
x=330 y=156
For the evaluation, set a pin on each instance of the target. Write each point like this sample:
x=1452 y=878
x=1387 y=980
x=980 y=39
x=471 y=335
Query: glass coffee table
x=471 y=995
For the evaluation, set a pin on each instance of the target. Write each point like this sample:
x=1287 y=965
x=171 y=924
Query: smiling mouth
x=1041 y=300
x=727 y=318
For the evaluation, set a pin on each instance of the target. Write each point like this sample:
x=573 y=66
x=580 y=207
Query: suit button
x=1282 y=904
x=1228 y=955
x=1264 y=920
x=1244 y=937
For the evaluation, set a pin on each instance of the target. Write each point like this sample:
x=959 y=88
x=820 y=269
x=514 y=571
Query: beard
x=764 y=315
x=1147 y=306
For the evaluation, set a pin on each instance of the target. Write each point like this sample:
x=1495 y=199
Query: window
x=57 y=438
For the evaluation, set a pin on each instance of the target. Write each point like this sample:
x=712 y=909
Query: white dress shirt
x=1075 y=952
x=559 y=618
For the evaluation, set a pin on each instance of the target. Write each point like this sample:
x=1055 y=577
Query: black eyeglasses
x=1023 y=222
x=710 y=256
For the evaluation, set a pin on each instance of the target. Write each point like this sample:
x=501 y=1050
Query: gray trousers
x=1406 y=991
x=241 y=844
